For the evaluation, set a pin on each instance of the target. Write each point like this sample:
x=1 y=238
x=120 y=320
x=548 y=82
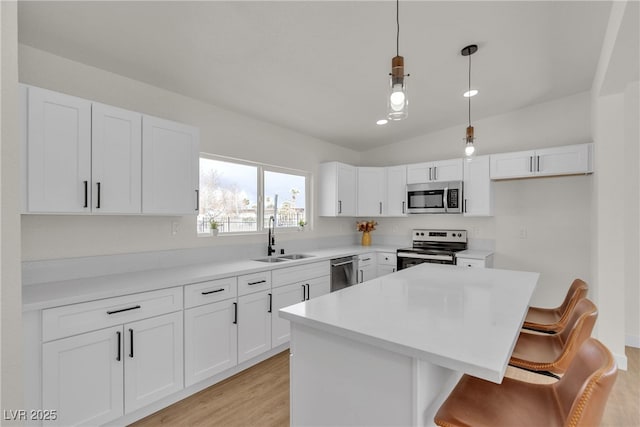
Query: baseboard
x=621 y=361
x=632 y=341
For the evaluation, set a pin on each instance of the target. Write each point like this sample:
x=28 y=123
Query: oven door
x=409 y=259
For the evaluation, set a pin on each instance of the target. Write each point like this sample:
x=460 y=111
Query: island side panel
x=339 y=382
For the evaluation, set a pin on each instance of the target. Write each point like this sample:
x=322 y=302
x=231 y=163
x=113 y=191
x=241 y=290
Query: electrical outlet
x=174 y=228
x=523 y=233
x=475 y=231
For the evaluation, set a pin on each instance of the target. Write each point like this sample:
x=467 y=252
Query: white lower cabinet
x=82 y=377
x=387 y=263
x=210 y=340
x=254 y=324
x=106 y=358
x=284 y=296
x=366 y=267
x=153 y=360
x=318 y=286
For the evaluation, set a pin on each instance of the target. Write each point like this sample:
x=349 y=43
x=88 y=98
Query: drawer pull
x=213 y=291
x=256 y=283
x=366 y=259
x=270 y=303
x=135 y=307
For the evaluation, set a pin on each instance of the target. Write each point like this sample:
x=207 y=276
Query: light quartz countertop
x=474 y=254
x=465 y=319
x=52 y=294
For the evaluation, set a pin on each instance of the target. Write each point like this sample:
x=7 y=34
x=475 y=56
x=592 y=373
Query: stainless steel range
x=434 y=246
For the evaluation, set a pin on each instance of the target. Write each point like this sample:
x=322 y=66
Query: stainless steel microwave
x=435 y=197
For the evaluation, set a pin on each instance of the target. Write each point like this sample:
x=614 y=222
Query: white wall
x=554 y=212
x=632 y=213
x=10 y=289
x=221 y=132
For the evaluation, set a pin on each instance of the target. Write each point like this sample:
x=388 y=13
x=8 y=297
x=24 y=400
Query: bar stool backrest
x=584 y=389
x=578 y=330
x=577 y=291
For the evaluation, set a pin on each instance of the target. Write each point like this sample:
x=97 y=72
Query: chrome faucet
x=271 y=236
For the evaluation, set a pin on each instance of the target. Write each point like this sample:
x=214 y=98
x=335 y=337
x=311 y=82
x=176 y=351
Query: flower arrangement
x=213 y=224
x=366 y=226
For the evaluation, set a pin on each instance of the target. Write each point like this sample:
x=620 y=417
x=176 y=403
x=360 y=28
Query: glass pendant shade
x=469 y=149
x=397 y=106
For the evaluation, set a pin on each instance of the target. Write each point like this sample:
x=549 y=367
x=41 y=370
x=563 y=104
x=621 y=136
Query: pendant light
x=397 y=102
x=469 y=149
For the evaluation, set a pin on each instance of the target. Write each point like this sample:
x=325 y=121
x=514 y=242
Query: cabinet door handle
x=537 y=163
x=403 y=211
x=366 y=259
x=235 y=313
x=530 y=163
x=197 y=200
x=435 y=173
x=380 y=208
x=308 y=292
x=339 y=206
x=304 y=292
x=270 y=303
x=256 y=283
x=429 y=174
x=118 y=356
x=213 y=291
x=86 y=194
x=135 y=307
x=464 y=209
x=98 y=204
x=393 y=269
x=131 y=342
x=361 y=276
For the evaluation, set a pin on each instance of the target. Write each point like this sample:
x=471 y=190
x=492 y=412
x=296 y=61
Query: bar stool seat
x=553 y=353
x=578 y=398
x=553 y=320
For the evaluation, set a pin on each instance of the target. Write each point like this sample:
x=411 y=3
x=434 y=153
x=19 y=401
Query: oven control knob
x=459 y=234
x=422 y=234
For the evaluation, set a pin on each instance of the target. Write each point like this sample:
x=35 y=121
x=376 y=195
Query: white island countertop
x=464 y=319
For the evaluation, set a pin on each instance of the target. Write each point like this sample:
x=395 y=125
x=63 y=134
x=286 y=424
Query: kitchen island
x=389 y=351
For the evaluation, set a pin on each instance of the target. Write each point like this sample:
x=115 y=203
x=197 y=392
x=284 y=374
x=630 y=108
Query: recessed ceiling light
x=382 y=122
x=470 y=93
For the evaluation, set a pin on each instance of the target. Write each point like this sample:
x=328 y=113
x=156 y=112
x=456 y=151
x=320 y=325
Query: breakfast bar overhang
x=389 y=351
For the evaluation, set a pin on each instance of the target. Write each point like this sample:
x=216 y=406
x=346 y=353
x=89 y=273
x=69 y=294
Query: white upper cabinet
x=58 y=152
x=478 y=187
x=170 y=178
x=372 y=184
x=566 y=160
x=81 y=156
x=116 y=160
x=337 y=188
x=396 y=191
x=439 y=171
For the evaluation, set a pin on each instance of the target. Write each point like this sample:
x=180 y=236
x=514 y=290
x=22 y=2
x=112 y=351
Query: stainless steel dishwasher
x=343 y=272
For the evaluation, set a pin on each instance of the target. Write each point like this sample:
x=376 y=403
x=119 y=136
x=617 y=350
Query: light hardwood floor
x=259 y=396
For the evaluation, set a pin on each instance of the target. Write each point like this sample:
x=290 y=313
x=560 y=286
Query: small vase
x=213 y=231
x=366 y=238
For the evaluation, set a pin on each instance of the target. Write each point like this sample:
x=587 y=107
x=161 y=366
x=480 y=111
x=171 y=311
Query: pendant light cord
x=397 y=28
x=469 y=90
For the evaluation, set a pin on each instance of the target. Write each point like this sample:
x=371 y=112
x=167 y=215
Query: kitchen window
x=241 y=196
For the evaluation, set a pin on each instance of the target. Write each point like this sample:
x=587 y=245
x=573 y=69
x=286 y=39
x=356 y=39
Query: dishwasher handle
x=338 y=264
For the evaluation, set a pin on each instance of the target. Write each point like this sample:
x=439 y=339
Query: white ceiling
x=321 y=67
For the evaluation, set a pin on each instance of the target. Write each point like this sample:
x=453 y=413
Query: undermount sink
x=271 y=259
x=296 y=256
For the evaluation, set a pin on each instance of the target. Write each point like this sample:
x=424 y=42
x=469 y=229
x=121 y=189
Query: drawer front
x=74 y=319
x=469 y=262
x=250 y=283
x=386 y=258
x=285 y=276
x=211 y=291
x=366 y=260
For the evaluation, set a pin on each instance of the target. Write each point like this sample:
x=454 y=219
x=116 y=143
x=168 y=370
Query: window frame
x=261 y=168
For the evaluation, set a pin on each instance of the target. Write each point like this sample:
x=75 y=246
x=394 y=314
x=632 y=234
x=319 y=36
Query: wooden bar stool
x=551 y=354
x=553 y=320
x=577 y=399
